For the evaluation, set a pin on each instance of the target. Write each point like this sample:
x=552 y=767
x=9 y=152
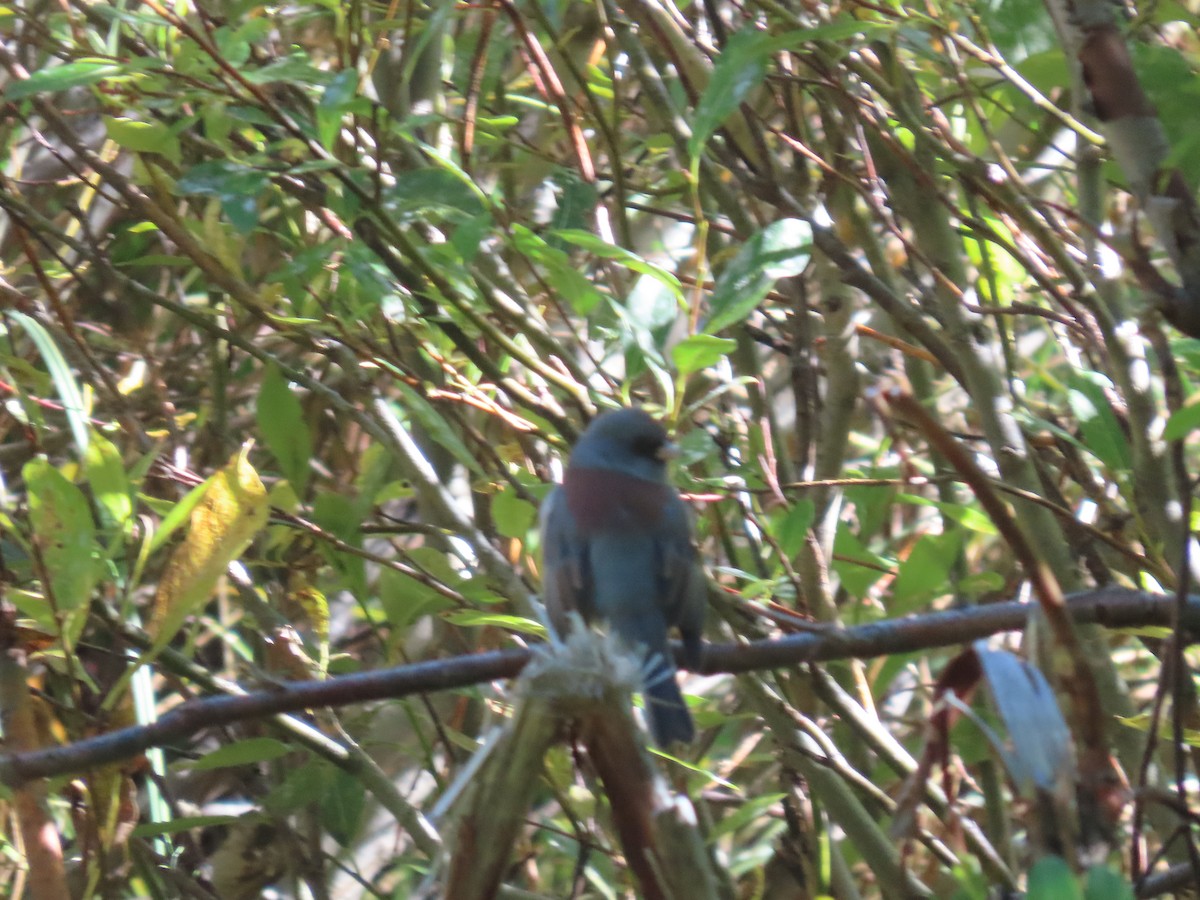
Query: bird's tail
x=668 y=715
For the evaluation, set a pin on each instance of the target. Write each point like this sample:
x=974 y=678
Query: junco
x=617 y=548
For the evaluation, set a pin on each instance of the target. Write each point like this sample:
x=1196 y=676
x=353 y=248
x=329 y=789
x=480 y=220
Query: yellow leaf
x=233 y=510
x=312 y=606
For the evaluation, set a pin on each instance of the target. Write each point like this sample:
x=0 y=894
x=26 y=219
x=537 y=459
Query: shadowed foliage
x=304 y=306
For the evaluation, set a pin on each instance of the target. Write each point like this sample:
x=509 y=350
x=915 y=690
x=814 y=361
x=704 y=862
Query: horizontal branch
x=1110 y=607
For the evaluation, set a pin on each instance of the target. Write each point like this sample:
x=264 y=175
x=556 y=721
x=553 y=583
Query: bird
x=617 y=547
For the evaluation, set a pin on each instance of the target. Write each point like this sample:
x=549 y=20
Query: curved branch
x=1110 y=607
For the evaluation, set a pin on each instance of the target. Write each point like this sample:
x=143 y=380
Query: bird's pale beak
x=669 y=450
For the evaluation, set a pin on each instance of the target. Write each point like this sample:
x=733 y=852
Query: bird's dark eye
x=648 y=445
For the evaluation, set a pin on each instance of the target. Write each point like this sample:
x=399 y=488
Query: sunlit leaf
x=967 y=516
x=109 y=481
x=284 y=430
x=424 y=414
x=64 y=532
x=857 y=566
x=1182 y=422
x=61 y=78
x=514 y=515
x=472 y=618
x=64 y=380
x=778 y=251
x=791 y=529
x=699 y=351
x=588 y=241
x=740 y=68
x=1101 y=430
x=143 y=137
x=332 y=105
x=233 y=510
x=925 y=573
x=313 y=606
x=405 y=598
x=241 y=753
x=571 y=287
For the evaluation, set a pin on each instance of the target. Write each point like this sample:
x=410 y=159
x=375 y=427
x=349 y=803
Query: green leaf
x=576 y=200
x=110 y=484
x=856 y=566
x=338 y=94
x=183 y=823
x=513 y=515
x=1098 y=424
x=237 y=187
x=60 y=374
x=588 y=241
x=62 y=78
x=753 y=811
x=973 y=882
x=1182 y=422
x=976 y=584
x=778 y=251
x=338 y=514
x=468 y=236
x=143 y=137
x=1051 y=879
x=342 y=804
x=284 y=430
x=569 y=284
x=1103 y=883
x=241 y=753
x=422 y=412
x=177 y=515
x=699 y=351
x=296 y=69
x=1019 y=27
x=474 y=618
x=925 y=574
x=967 y=516
x=235 y=44
x=65 y=533
x=740 y=68
x=791 y=529
x=437 y=564
x=405 y=599
x=445 y=190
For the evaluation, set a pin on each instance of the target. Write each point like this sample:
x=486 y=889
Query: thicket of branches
x=305 y=303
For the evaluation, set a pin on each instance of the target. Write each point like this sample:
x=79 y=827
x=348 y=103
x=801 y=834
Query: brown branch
x=1110 y=607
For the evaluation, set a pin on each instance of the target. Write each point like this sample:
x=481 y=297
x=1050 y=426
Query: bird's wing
x=686 y=587
x=566 y=583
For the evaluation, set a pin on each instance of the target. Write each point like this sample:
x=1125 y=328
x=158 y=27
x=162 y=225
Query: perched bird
x=617 y=548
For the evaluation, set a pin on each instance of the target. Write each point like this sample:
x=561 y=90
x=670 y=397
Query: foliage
x=375 y=265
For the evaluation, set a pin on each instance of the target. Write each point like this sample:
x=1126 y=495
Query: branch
x=1110 y=607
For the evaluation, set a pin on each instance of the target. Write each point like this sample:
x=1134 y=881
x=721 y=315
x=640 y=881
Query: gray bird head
x=627 y=441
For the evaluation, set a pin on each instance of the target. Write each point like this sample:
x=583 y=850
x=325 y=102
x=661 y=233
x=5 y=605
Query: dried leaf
x=233 y=510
